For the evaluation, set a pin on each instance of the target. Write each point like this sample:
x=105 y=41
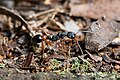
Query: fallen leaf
x=100 y=34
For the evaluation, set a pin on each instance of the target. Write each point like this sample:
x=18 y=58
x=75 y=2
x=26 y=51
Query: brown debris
x=94 y=57
x=63 y=43
x=28 y=60
x=100 y=34
x=117 y=67
x=107 y=59
x=96 y=9
x=55 y=56
x=14 y=15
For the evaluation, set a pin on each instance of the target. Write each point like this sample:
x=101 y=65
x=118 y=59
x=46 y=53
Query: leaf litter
x=102 y=33
x=89 y=48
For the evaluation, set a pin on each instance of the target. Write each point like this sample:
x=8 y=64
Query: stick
x=41 y=13
x=14 y=15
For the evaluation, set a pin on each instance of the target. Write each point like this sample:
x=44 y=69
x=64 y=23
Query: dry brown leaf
x=96 y=9
x=101 y=33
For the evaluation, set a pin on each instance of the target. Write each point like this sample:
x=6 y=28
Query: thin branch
x=14 y=15
x=42 y=13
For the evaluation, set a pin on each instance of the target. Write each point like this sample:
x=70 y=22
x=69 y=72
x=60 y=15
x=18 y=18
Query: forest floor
x=59 y=40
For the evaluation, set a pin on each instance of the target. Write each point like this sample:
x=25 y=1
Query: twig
x=106 y=58
x=53 y=16
x=42 y=13
x=94 y=57
x=40 y=23
x=28 y=60
x=14 y=15
x=22 y=52
x=59 y=24
x=80 y=48
x=19 y=71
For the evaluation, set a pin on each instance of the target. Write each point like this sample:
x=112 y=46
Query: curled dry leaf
x=56 y=56
x=107 y=59
x=96 y=9
x=100 y=34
